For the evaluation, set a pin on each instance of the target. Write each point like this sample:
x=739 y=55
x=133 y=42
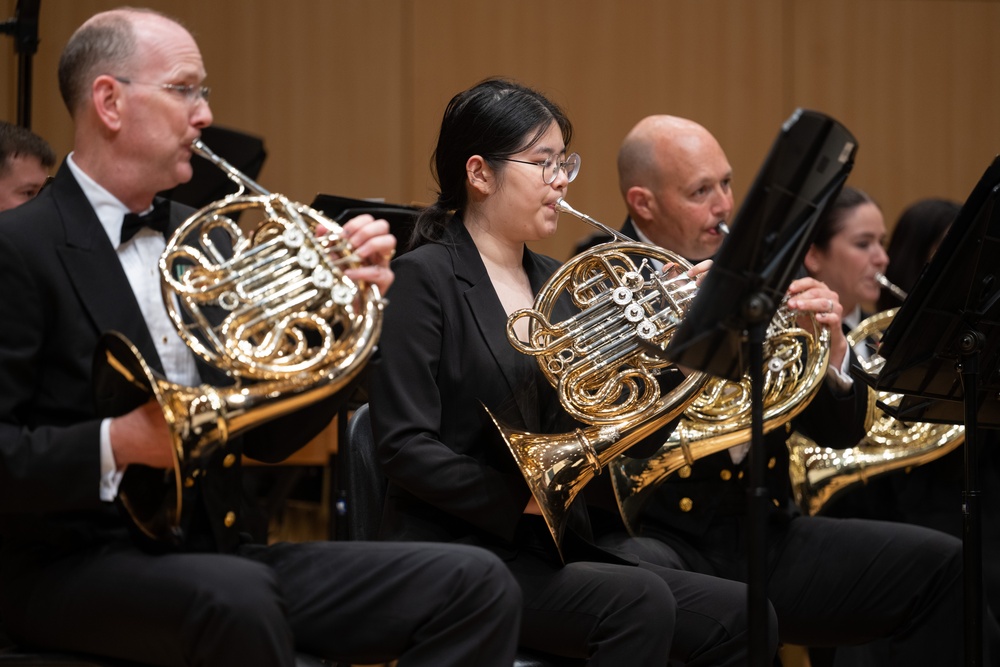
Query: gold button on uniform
x=771 y=462
x=684 y=472
x=775 y=501
x=230 y=519
x=686 y=504
x=229 y=461
x=726 y=475
x=188 y=482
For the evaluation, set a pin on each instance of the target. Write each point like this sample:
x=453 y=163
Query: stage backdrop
x=348 y=94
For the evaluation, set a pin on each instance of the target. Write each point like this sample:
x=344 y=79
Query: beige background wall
x=348 y=93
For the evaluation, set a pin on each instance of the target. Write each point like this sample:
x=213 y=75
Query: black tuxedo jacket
x=629 y=230
x=63 y=286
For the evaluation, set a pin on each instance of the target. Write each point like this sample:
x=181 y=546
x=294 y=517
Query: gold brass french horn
x=271 y=309
x=795 y=365
x=602 y=361
x=818 y=474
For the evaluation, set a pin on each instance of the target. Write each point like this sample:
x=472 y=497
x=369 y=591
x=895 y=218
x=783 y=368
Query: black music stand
x=401 y=217
x=24 y=28
x=942 y=351
x=723 y=331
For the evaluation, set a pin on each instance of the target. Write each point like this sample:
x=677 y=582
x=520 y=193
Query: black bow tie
x=156 y=219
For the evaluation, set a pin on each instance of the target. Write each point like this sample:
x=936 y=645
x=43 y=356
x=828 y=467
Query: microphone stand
x=24 y=28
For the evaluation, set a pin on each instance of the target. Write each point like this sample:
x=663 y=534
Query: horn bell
x=271 y=310
x=820 y=474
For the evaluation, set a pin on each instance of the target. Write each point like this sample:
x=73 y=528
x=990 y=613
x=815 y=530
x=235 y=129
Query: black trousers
x=425 y=604
x=843 y=581
x=615 y=614
x=929 y=495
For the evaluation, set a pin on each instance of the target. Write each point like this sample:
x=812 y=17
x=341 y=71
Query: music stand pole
x=24 y=90
x=970 y=344
x=755 y=311
x=24 y=28
x=723 y=330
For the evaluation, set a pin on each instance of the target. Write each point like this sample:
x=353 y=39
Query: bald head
x=675 y=179
x=105 y=43
x=656 y=142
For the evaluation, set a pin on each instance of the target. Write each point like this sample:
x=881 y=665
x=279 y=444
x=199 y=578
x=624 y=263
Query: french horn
x=795 y=362
x=271 y=309
x=603 y=362
x=819 y=474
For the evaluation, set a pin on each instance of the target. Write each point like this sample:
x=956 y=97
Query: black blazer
x=445 y=355
x=63 y=287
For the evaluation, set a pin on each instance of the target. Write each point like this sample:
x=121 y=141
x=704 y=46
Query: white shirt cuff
x=111 y=477
x=841 y=378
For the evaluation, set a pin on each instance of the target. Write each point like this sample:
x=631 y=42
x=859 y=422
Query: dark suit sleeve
x=49 y=454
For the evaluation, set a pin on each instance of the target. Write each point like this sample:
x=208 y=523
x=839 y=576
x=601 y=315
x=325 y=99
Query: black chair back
x=362 y=478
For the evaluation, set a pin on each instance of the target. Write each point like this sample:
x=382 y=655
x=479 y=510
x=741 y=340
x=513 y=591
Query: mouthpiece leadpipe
x=896 y=290
x=561 y=205
x=723 y=228
x=199 y=148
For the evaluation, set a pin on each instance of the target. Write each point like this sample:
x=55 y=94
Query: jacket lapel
x=491 y=319
x=95 y=271
x=628 y=229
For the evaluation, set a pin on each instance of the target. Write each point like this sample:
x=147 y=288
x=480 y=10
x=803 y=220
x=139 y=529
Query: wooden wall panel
x=318 y=80
x=348 y=94
x=918 y=82
x=608 y=64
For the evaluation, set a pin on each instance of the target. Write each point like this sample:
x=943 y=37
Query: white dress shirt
x=138 y=257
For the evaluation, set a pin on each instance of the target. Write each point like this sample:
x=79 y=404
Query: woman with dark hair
x=915 y=238
x=847 y=253
x=501 y=163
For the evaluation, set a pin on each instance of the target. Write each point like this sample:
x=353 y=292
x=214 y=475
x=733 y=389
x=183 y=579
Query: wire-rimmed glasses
x=191 y=93
x=551 y=167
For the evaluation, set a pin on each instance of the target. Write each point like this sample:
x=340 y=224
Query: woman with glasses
x=502 y=164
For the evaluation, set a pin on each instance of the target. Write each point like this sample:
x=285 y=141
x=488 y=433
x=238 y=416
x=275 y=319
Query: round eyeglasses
x=551 y=167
